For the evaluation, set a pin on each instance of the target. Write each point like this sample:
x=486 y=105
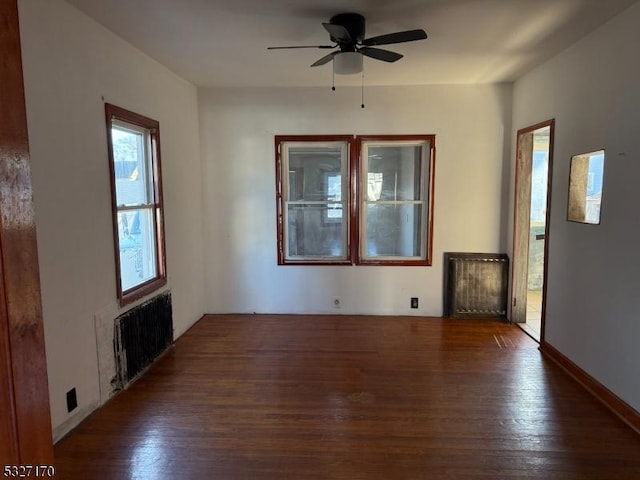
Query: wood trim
x=279 y=207
x=312 y=138
x=26 y=424
x=278 y=141
x=525 y=131
x=432 y=199
x=8 y=426
x=398 y=138
x=394 y=263
x=537 y=126
x=356 y=188
x=428 y=261
x=113 y=112
x=605 y=396
x=547 y=233
x=354 y=213
x=159 y=208
x=143 y=289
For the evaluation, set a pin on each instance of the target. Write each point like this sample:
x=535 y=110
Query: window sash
x=322 y=227
x=146 y=174
x=141 y=244
x=421 y=184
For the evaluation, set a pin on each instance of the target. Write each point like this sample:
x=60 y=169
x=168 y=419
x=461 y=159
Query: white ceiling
x=223 y=42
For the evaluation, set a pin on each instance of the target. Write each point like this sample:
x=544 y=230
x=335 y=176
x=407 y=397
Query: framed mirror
x=585 y=187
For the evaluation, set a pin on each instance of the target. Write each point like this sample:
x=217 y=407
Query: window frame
x=427 y=182
x=114 y=116
x=281 y=200
x=356 y=190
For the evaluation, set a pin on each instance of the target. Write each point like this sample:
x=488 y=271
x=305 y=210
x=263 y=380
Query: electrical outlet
x=336 y=302
x=72 y=400
x=414 y=302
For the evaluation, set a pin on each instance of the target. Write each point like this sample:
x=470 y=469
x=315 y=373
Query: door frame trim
x=23 y=361
x=518 y=175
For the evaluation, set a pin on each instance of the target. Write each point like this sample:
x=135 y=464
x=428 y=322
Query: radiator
x=476 y=284
x=141 y=335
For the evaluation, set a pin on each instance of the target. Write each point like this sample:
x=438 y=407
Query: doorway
x=531 y=219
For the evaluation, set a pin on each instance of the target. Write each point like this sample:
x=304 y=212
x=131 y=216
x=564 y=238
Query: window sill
x=142 y=290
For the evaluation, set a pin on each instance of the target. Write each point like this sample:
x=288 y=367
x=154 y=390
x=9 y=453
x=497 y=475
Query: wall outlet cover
x=72 y=400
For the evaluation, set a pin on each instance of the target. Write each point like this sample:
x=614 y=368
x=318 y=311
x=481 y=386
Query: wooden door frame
x=25 y=419
x=522 y=211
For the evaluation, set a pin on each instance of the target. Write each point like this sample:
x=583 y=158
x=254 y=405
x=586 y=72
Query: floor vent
x=475 y=284
x=141 y=335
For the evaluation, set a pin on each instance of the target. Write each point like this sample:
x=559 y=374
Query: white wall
x=237 y=128
x=71 y=64
x=593 y=299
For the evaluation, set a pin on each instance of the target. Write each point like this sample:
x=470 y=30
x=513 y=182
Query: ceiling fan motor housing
x=347 y=31
x=355 y=25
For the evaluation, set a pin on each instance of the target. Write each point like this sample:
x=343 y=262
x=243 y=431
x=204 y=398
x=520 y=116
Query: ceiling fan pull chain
x=362 y=88
x=333 y=79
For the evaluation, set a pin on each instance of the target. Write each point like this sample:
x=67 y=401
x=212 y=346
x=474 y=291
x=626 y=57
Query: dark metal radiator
x=475 y=284
x=141 y=335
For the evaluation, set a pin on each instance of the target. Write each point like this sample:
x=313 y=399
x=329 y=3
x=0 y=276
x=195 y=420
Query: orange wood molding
x=609 y=399
x=23 y=361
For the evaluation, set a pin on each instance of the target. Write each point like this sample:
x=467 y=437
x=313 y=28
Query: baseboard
x=61 y=431
x=609 y=399
x=70 y=424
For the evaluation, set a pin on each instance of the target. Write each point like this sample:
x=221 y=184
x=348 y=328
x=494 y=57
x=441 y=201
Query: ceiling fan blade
x=325 y=59
x=397 y=37
x=380 y=54
x=303 y=46
x=338 y=33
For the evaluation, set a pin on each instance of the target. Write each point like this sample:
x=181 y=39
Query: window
x=134 y=161
x=355 y=200
x=313 y=197
x=585 y=187
x=394 y=215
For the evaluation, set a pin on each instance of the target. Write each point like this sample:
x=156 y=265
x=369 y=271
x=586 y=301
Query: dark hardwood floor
x=296 y=397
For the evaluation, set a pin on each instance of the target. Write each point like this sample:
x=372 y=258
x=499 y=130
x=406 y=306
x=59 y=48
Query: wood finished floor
x=303 y=397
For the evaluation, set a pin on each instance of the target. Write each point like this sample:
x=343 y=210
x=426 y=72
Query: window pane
x=316 y=231
x=315 y=173
x=137 y=242
x=130 y=167
x=585 y=187
x=594 y=187
x=394 y=231
x=394 y=172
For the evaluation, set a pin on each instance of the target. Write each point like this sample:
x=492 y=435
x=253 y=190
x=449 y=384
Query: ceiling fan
x=347 y=31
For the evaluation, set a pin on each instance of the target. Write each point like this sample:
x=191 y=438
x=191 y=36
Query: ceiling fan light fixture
x=347 y=63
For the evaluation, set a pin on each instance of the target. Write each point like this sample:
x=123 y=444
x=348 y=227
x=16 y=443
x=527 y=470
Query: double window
x=355 y=200
x=134 y=160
